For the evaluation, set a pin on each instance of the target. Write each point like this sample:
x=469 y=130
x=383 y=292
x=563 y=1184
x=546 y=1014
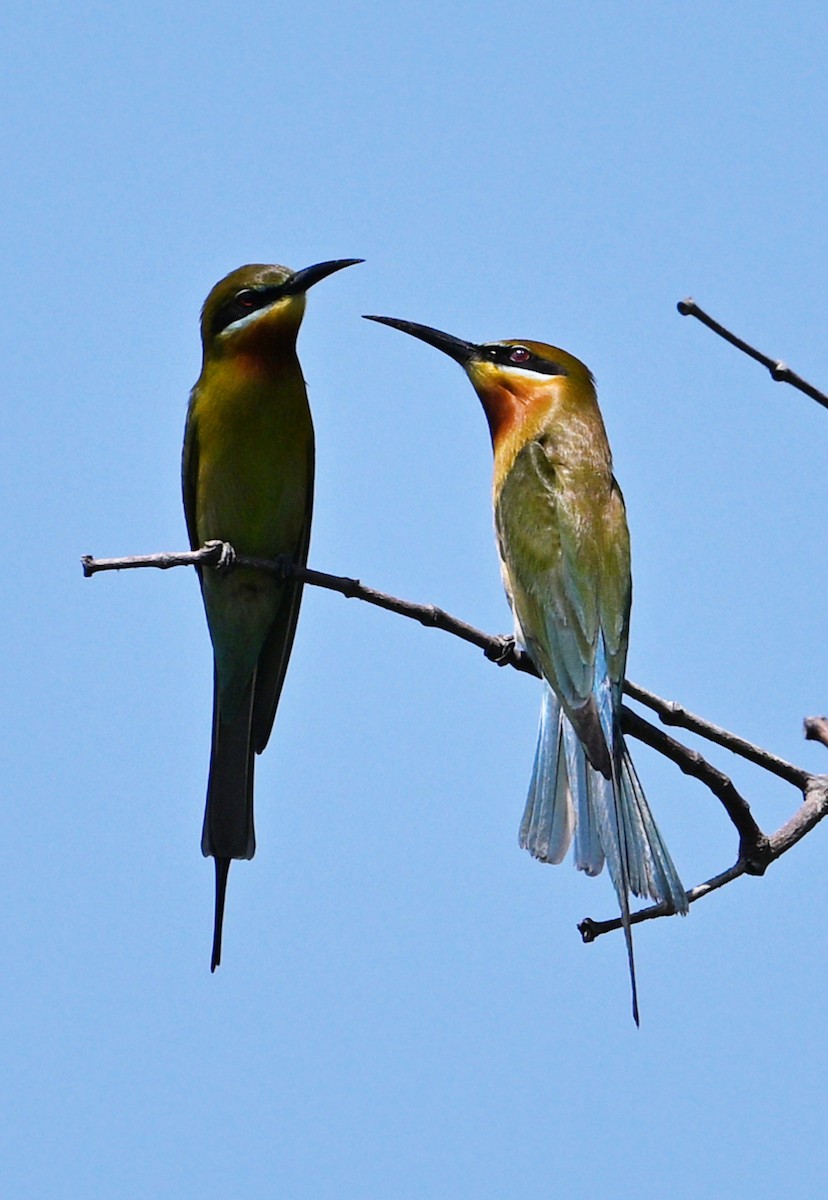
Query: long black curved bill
x=302 y=280
x=454 y=347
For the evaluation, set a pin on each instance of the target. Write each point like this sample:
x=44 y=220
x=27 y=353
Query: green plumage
x=565 y=553
x=248 y=469
x=565 y=560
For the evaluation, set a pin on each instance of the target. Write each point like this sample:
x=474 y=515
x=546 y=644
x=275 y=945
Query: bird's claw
x=501 y=650
x=226 y=559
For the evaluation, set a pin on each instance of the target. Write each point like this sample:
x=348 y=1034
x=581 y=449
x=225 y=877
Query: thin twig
x=501 y=650
x=816 y=729
x=779 y=370
x=672 y=713
x=206 y=556
x=753 y=844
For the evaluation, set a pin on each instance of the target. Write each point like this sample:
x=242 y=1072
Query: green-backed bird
x=565 y=559
x=247 y=476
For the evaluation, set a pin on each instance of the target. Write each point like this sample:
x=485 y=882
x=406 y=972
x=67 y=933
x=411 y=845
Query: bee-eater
x=247 y=476
x=565 y=560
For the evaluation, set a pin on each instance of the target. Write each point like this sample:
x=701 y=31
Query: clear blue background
x=405 y=1008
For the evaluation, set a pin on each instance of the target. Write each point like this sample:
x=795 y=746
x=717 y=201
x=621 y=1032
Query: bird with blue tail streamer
x=564 y=553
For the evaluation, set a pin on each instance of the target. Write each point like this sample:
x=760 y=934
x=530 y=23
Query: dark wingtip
x=222 y=871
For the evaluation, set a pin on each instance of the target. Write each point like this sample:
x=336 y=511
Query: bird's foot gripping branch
x=226 y=556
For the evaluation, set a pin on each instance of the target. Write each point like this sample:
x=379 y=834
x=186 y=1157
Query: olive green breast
x=254 y=468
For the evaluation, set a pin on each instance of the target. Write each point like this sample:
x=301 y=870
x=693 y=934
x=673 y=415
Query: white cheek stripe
x=250 y=318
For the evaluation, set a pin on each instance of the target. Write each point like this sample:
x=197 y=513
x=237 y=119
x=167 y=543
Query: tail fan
x=609 y=819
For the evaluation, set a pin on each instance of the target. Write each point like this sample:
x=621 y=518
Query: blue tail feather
x=658 y=877
x=588 y=849
x=546 y=828
x=609 y=818
x=569 y=798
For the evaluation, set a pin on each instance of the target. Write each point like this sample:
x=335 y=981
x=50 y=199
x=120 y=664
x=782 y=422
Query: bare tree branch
x=779 y=370
x=501 y=650
x=816 y=729
x=756 y=849
x=753 y=843
x=207 y=556
x=672 y=713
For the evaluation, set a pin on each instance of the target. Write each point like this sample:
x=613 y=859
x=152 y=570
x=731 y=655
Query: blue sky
x=405 y=1008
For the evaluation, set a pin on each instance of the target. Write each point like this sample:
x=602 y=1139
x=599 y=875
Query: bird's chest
x=544 y=509
x=255 y=470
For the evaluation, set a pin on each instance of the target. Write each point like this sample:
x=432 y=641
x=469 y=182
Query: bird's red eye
x=520 y=355
x=246 y=298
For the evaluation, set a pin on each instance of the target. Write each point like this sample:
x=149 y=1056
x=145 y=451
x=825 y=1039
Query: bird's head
x=257 y=309
x=518 y=382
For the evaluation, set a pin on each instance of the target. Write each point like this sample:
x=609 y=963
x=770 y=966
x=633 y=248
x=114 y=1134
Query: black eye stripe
x=510 y=356
x=245 y=301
